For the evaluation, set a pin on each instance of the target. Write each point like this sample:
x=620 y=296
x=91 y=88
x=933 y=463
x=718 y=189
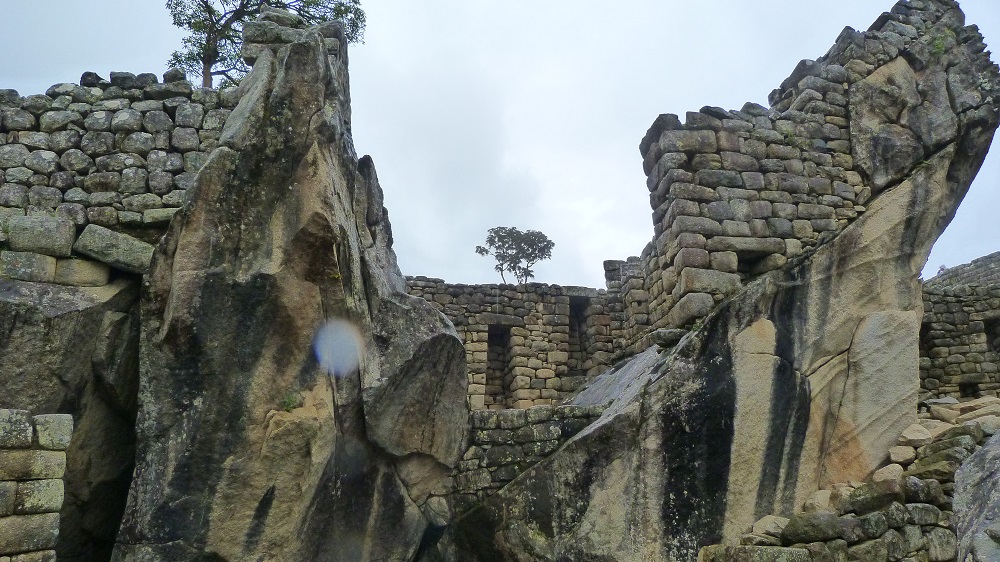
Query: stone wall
x=91 y=173
x=32 y=464
x=505 y=443
x=526 y=345
x=738 y=193
x=960 y=341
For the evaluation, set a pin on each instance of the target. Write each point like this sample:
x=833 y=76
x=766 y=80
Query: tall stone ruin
x=762 y=347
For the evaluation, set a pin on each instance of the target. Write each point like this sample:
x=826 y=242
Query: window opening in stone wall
x=497 y=365
x=992 y=327
x=969 y=390
x=578 y=343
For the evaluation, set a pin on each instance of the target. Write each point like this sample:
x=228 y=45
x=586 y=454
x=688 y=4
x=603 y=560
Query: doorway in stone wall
x=992 y=328
x=497 y=365
x=577 y=335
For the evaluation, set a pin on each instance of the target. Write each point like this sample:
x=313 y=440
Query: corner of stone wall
x=32 y=465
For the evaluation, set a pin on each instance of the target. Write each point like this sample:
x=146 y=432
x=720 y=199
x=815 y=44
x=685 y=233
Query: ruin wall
x=526 y=345
x=32 y=465
x=91 y=173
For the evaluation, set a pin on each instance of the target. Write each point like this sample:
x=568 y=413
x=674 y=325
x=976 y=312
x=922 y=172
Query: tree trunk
x=206 y=74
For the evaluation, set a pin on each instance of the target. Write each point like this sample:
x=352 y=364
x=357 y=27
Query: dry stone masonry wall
x=91 y=173
x=738 y=193
x=960 y=340
x=526 y=345
x=32 y=464
x=505 y=443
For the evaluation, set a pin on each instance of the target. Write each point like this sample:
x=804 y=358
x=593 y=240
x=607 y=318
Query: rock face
x=247 y=448
x=75 y=350
x=976 y=507
x=805 y=378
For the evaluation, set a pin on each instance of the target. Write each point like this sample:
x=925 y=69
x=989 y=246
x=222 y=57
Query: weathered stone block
x=158 y=216
x=8 y=497
x=82 y=273
x=27 y=266
x=21 y=464
x=691 y=257
x=690 y=307
x=115 y=249
x=37 y=556
x=745 y=246
x=753 y=554
x=23 y=533
x=54 y=430
x=688 y=141
x=43 y=235
x=39 y=496
x=15 y=429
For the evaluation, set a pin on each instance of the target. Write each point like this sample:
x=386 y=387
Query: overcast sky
x=517 y=113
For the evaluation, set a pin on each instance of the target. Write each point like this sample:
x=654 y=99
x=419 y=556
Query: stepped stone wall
x=91 y=173
x=505 y=443
x=32 y=465
x=526 y=345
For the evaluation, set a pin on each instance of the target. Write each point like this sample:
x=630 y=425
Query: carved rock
x=248 y=449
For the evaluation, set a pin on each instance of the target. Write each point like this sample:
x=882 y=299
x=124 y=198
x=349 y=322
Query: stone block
x=54 y=431
x=753 y=554
x=50 y=236
x=37 y=556
x=724 y=261
x=22 y=464
x=8 y=498
x=27 y=266
x=158 y=216
x=691 y=257
x=24 y=533
x=115 y=249
x=82 y=273
x=15 y=429
x=690 y=307
x=688 y=141
x=745 y=246
x=39 y=496
x=697 y=225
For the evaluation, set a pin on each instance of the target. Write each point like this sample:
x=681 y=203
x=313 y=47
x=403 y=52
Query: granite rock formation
x=248 y=449
x=976 y=508
x=806 y=376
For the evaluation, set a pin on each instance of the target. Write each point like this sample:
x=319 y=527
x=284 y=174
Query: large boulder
x=75 y=350
x=806 y=377
x=250 y=447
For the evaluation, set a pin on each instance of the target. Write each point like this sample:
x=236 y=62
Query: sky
x=518 y=113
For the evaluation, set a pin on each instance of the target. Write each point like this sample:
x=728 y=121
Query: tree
x=216 y=29
x=516 y=251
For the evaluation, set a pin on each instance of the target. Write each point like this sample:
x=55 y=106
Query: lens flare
x=338 y=345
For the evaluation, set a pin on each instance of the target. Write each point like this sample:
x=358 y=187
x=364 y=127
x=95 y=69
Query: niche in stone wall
x=498 y=354
x=578 y=343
